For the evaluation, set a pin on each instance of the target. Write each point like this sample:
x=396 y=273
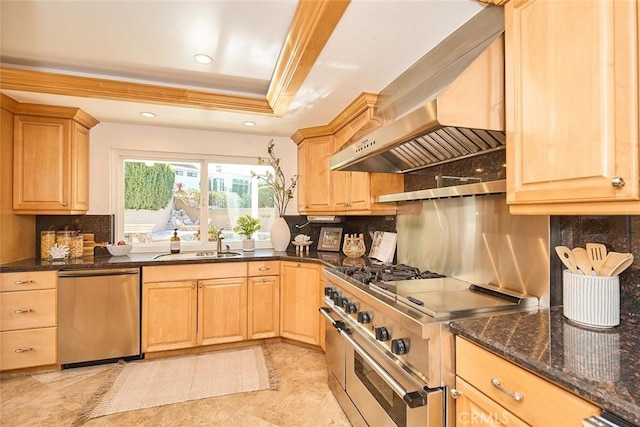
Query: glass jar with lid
x=47 y=240
x=65 y=238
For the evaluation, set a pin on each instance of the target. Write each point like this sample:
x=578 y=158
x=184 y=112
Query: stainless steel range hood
x=448 y=105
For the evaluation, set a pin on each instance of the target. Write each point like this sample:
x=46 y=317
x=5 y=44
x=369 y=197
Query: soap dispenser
x=175 y=242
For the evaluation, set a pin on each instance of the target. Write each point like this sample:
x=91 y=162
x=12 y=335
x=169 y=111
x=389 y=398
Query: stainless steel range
x=388 y=348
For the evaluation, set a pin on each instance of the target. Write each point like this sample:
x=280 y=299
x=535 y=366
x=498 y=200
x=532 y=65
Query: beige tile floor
x=304 y=399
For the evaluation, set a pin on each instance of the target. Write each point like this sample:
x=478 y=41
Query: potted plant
x=246 y=226
x=281 y=193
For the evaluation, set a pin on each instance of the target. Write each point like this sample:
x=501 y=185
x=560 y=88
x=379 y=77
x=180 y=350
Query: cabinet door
x=299 y=302
x=572 y=101
x=475 y=409
x=42 y=168
x=264 y=307
x=314 y=178
x=169 y=315
x=222 y=310
x=51 y=165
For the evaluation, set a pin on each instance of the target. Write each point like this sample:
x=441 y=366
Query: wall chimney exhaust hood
x=447 y=106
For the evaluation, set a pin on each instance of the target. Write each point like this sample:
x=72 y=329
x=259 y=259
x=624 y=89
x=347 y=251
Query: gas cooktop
x=434 y=294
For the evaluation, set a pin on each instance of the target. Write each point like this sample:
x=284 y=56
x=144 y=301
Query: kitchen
x=527 y=196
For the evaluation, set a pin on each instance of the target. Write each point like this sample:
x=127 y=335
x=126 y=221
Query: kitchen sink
x=197 y=255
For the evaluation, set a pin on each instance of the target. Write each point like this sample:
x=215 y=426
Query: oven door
x=384 y=393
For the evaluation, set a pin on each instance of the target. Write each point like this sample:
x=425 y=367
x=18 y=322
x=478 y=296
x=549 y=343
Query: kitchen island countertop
x=600 y=365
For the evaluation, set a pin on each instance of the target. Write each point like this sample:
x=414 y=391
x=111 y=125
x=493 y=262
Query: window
x=193 y=196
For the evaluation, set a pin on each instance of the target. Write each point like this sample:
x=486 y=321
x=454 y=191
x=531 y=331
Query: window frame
x=117 y=195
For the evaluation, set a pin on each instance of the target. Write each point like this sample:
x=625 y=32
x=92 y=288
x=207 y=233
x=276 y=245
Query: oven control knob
x=336 y=297
x=350 y=308
x=342 y=302
x=399 y=346
x=364 y=317
x=382 y=334
x=328 y=291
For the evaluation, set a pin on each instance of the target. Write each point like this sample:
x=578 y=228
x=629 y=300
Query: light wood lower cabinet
x=28 y=319
x=300 y=296
x=264 y=307
x=493 y=391
x=222 y=310
x=169 y=315
x=188 y=306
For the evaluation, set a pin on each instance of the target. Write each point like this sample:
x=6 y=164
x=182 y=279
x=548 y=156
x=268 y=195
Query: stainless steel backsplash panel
x=477 y=240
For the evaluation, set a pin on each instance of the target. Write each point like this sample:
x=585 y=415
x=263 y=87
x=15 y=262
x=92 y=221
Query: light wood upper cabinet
x=572 y=106
x=300 y=296
x=321 y=191
x=354 y=192
x=51 y=160
x=314 y=179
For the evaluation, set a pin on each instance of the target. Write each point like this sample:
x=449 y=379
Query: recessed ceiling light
x=249 y=124
x=201 y=58
x=148 y=114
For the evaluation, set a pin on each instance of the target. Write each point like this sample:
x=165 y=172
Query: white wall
x=107 y=137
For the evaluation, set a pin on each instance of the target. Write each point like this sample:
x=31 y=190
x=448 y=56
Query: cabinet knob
x=64 y=204
x=617 y=182
x=455 y=393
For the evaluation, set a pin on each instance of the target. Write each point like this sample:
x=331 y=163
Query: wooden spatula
x=566 y=256
x=597 y=253
x=582 y=260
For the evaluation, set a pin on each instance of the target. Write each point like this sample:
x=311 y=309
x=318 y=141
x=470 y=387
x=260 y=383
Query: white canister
x=592 y=301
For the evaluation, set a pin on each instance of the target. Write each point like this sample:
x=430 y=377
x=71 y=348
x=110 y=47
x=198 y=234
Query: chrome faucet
x=219 y=241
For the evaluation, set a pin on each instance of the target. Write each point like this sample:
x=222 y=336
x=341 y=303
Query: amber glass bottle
x=175 y=243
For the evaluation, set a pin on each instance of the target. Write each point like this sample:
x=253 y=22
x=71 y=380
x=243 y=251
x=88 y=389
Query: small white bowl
x=119 y=250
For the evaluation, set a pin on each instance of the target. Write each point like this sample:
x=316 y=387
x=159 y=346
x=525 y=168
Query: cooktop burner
x=386 y=273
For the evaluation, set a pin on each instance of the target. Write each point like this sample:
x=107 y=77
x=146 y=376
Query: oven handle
x=413 y=399
x=338 y=324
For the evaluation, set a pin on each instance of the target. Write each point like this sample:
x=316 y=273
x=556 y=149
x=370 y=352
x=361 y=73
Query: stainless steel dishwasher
x=98 y=315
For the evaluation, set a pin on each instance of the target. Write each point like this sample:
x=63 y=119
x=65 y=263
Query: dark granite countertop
x=600 y=365
x=146 y=259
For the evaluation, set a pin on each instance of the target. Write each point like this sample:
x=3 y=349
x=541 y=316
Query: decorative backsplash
x=617 y=233
x=100 y=225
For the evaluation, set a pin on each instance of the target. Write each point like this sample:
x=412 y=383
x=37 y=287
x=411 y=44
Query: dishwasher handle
x=98 y=272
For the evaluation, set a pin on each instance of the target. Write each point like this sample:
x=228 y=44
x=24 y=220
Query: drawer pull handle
x=22 y=350
x=22 y=311
x=264 y=269
x=497 y=384
x=23 y=282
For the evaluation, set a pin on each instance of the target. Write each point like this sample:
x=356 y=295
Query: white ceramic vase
x=280 y=235
x=248 y=245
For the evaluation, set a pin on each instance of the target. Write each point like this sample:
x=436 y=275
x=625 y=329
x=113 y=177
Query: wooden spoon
x=582 y=260
x=615 y=261
x=597 y=253
x=566 y=256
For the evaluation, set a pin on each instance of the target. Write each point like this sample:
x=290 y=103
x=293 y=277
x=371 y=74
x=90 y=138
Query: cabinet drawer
x=28 y=280
x=24 y=349
x=264 y=268
x=482 y=369
x=29 y=309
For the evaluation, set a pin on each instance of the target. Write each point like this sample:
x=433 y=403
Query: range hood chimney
x=447 y=106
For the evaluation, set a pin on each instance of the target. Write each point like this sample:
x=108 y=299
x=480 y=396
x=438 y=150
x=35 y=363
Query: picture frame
x=330 y=239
